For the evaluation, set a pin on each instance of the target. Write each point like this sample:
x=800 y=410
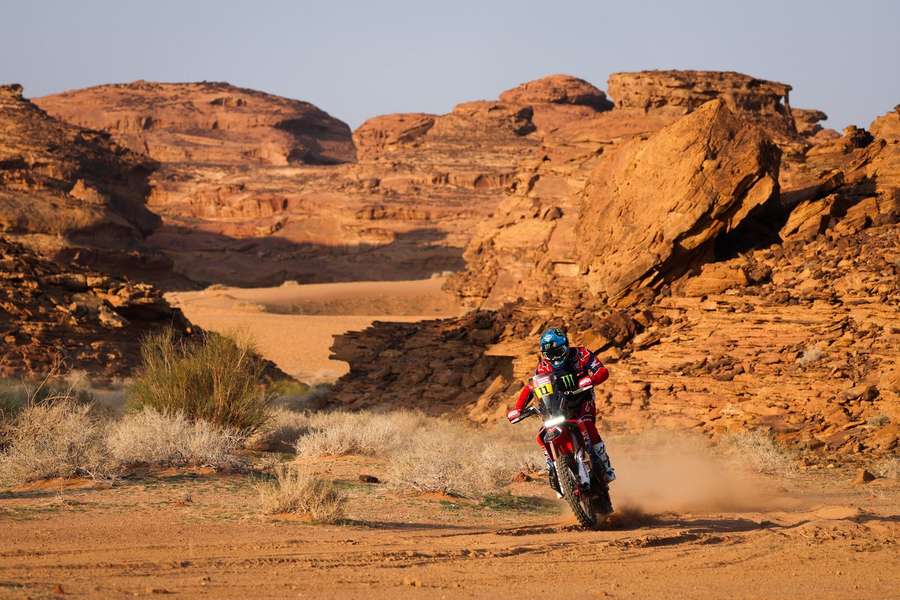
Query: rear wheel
x=581 y=504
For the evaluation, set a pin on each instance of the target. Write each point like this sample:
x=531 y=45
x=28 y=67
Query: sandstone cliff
x=206 y=123
x=405 y=209
x=73 y=194
x=53 y=316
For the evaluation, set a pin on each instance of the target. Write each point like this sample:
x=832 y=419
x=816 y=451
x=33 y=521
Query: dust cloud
x=665 y=472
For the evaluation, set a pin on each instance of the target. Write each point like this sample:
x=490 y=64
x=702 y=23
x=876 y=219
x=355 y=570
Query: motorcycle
x=583 y=487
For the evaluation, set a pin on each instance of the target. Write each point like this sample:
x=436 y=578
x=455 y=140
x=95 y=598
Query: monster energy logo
x=568 y=381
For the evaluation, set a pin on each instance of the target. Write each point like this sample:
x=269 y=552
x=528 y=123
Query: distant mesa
x=207 y=122
x=558 y=89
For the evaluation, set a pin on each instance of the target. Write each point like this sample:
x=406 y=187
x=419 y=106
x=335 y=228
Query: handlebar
x=528 y=412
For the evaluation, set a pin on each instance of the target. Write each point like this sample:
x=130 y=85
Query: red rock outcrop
x=887 y=126
x=206 y=123
x=67 y=191
x=71 y=317
x=641 y=225
x=764 y=102
x=615 y=232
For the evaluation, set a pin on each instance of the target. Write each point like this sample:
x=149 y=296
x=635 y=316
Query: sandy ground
x=818 y=536
x=294 y=325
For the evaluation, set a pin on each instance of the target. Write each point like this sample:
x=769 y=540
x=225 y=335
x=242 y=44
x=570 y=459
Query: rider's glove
x=585 y=382
x=513 y=414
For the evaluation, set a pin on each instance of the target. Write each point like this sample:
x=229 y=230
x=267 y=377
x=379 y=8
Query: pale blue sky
x=360 y=59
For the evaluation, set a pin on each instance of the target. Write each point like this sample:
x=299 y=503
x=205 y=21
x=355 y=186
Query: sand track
x=201 y=536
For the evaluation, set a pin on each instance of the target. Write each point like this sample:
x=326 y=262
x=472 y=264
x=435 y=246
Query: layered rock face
x=722 y=300
x=654 y=209
x=54 y=317
x=615 y=232
x=59 y=179
x=73 y=194
x=763 y=102
x=206 y=123
x=405 y=209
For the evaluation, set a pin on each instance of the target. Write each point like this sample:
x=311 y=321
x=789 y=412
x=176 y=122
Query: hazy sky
x=360 y=59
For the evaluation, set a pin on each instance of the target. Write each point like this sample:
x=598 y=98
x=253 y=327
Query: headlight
x=554 y=422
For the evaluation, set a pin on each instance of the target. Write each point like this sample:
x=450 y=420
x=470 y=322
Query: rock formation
x=73 y=194
x=405 y=209
x=887 y=126
x=643 y=224
x=766 y=103
x=206 y=123
x=71 y=317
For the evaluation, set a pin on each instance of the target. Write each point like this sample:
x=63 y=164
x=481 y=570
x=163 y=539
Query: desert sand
x=805 y=535
x=294 y=325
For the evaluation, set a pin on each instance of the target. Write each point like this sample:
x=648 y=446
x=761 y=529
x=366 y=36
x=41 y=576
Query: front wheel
x=580 y=502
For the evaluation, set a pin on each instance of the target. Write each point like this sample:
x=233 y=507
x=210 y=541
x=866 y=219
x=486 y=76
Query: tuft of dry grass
x=58 y=437
x=888 y=467
x=281 y=431
x=152 y=437
x=361 y=433
x=425 y=454
x=458 y=460
x=215 y=379
x=297 y=492
x=759 y=451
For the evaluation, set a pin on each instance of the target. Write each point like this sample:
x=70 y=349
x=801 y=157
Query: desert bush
x=425 y=454
x=152 y=437
x=214 y=379
x=294 y=491
x=361 y=433
x=281 y=432
x=759 y=451
x=16 y=395
x=59 y=437
x=888 y=467
x=456 y=460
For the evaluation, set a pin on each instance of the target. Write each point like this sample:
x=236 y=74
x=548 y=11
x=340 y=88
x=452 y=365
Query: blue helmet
x=555 y=346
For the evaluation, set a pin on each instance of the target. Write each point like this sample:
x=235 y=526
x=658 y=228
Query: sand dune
x=293 y=325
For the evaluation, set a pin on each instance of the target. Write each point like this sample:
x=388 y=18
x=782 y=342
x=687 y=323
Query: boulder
x=887 y=126
x=643 y=225
x=558 y=89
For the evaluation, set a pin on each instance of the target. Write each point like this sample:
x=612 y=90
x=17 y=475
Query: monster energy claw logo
x=568 y=381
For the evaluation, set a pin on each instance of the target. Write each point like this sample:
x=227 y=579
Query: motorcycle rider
x=558 y=357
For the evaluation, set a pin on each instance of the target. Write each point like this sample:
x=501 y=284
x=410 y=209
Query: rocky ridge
x=206 y=123
x=404 y=209
x=810 y=262
x=54 y=317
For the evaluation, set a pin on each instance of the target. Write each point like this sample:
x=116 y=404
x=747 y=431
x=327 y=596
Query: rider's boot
x=554 y=479
x=601 y=458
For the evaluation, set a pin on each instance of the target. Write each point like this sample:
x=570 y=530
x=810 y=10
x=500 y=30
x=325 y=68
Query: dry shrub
x=156 y=438
x=361 y=433
x=759 y=451
x=281 y=431
x=214 y=379
x=294 y=491
x=59 y=437
x=425 y=454
x=456 y=460
x=888 y=467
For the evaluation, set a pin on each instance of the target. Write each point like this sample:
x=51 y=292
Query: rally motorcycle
x=583 y=486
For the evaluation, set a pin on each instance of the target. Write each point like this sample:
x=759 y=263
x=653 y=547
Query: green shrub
x=214 y=378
